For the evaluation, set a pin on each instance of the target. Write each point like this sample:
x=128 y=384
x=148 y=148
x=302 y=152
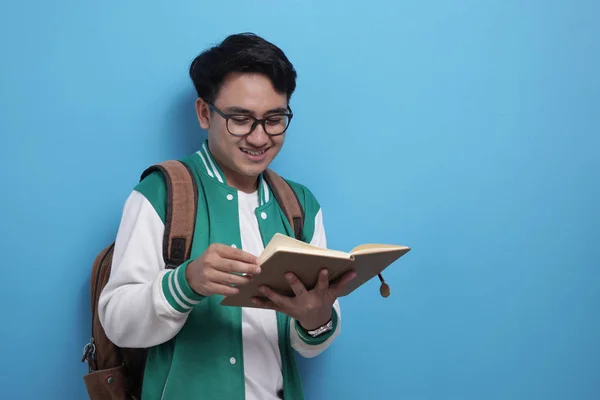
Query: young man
x=199 y=349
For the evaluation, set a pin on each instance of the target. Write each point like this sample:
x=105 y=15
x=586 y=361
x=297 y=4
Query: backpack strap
x=182 y=203
x=288 y=201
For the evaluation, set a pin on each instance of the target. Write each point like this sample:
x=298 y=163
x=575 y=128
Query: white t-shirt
x=262 y=359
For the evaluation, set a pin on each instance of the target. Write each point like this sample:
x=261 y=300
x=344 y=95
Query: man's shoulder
x=305 y=195
x=311 y=207
x=154 y=188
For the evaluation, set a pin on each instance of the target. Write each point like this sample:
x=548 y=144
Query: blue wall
x=467 y=130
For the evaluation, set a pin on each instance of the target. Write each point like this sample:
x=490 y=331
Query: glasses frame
x=256 y=122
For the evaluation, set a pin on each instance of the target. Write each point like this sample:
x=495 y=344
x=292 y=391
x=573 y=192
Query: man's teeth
x=253 y=153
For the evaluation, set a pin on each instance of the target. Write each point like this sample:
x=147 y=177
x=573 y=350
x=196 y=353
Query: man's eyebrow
x=280 y=110
x=245 y=111
x=238 y=110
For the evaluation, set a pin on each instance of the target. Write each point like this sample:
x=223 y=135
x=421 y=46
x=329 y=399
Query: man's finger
x=241 y=267
x=338 y=286
x=323 y=282
x=236 y=254
x=228 y=278
x=295 y=284
x=217 y=288
x=280 y=301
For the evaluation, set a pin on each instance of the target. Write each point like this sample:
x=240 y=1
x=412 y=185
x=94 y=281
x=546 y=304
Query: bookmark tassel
x=384 y=289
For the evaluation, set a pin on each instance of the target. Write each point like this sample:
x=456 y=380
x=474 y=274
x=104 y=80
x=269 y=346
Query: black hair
x=243 y=52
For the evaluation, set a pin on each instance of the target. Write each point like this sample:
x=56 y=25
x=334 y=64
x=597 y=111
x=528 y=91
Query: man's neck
x=246 y=184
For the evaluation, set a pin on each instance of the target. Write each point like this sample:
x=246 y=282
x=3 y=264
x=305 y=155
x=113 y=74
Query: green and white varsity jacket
x=199 y=349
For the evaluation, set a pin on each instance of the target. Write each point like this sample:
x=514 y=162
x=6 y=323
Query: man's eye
x=275 y=121
x=240 y=120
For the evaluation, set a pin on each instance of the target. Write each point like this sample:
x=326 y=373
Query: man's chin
x=252 y=171
x=255 y=169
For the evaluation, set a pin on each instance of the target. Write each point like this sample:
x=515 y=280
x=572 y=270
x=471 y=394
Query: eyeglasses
x=243 y=124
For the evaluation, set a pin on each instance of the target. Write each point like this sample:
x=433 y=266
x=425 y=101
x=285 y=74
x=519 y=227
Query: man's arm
x=143 y=304
x=303 y=343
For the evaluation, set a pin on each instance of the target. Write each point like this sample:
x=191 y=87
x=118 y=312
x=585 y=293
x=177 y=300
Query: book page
x=369 y=248
x=285 y=243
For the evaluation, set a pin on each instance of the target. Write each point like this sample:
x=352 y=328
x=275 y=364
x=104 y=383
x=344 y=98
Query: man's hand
x=311 y=308
x=214 y=272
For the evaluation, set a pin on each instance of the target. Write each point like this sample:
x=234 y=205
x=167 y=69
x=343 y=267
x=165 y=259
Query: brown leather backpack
x=116 y=373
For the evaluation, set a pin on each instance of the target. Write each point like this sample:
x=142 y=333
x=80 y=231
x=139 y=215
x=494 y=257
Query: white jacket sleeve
x=305 y=345
x=143 y=304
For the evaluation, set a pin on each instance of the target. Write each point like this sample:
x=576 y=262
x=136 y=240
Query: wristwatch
x=322 y=329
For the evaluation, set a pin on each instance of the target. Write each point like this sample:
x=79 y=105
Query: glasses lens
x=240 y=125
x=276 y=124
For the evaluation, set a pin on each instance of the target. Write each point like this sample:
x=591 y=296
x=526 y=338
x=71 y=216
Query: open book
x=285 y=254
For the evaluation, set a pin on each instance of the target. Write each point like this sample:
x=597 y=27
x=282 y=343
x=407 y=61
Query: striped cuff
x=306 y=338
x=177 y=291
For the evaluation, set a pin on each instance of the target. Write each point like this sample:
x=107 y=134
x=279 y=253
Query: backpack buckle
x=89 y=355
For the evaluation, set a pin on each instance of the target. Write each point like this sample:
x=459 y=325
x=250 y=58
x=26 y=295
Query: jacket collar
x=213 y=170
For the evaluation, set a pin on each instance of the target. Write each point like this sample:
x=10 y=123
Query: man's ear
x=203 y=113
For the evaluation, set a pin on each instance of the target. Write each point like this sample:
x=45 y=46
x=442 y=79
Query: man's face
x=243 y=158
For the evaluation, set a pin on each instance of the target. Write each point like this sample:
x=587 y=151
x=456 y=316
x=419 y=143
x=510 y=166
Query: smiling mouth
x=255 y=153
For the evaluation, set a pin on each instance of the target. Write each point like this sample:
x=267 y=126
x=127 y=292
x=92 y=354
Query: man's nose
x=258 y=137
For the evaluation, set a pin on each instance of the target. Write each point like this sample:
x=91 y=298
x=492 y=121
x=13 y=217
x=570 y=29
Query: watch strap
x=321 y=330
x=310 y=340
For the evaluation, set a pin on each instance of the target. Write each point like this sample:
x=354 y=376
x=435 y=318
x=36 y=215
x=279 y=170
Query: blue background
x=467 y=130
